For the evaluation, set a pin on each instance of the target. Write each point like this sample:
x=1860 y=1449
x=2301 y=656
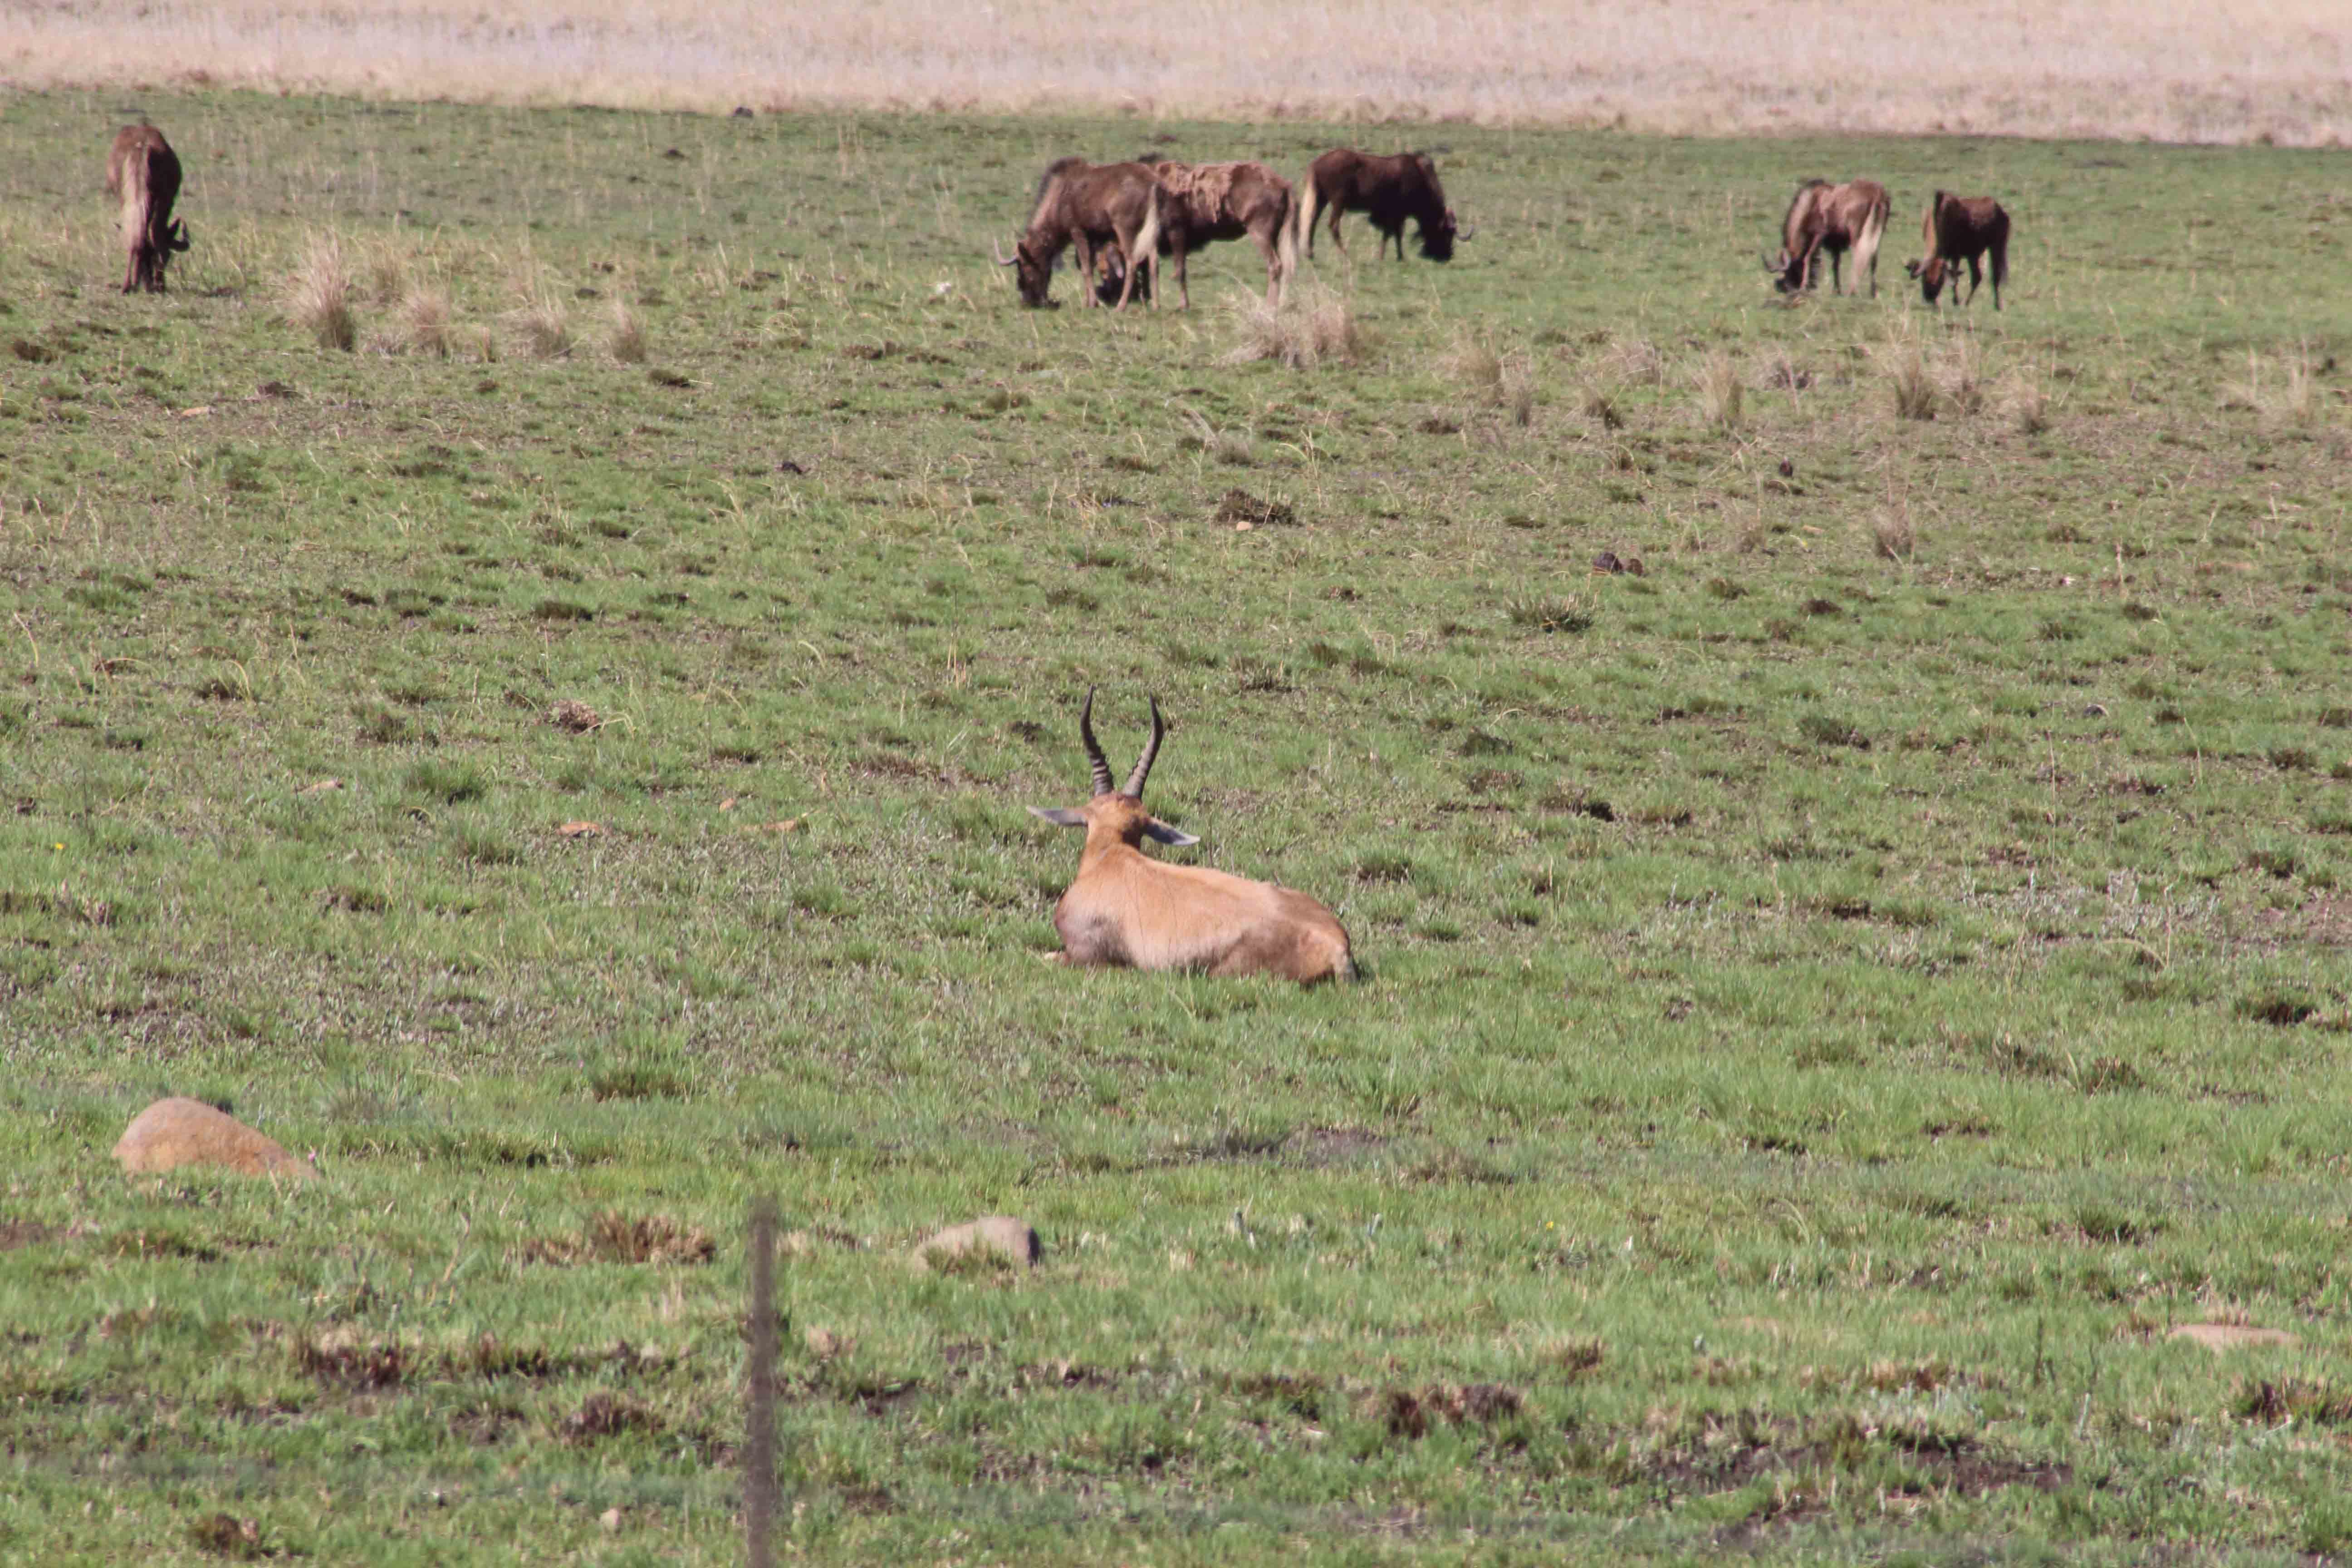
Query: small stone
x=179 y=1132
x=1606 y=564
x=582 y=830
x=324 y=786
x=825 y=1344
x=1001 y=1234
x=2219 y=1337
x=610 y=1520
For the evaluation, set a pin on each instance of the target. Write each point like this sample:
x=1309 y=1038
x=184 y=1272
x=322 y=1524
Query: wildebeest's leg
x=1265 y=247
x=1183 y=291
x=1338 y=212
x=1083 y=259
x=1976 y=277
x=1999 y=266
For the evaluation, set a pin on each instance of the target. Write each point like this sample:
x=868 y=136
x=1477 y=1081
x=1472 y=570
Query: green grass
x=1833 y=1001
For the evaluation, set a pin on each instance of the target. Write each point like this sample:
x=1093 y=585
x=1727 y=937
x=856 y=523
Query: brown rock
x=176 y=1131
x=2218 y=1337
x=1000 y=1234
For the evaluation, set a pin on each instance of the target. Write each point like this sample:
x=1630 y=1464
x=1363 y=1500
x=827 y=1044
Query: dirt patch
x=614 y=1237
x=16 y=1233
x=1945 y=1462
x=1240 y=506
x=1318 y=1147
x=603 y=1415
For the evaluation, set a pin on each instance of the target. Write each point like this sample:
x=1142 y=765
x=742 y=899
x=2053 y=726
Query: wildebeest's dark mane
x=1802 y=187
x=1057 y=166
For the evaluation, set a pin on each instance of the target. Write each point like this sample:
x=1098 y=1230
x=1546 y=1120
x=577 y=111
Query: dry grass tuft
x=428 y=321
x=2029 y=411
x=320 y=297
x=1719 y=391
x=1475 y=364
x=1635 y=360
x=1906 y=376
x=386 y=272
x=628 y=339
x=545 y=328
x=1958 y=377
x=1315 y=327
x=1892 y=534
x=1602 y=407
x=1518 y=394
x=2298 y=399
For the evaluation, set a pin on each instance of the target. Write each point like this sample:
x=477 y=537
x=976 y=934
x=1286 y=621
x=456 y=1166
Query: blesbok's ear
x=1059 y=815
x=1159 y=831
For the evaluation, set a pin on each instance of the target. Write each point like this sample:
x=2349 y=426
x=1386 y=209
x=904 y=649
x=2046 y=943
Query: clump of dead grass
x=427 y=309
x=1314 y=327
x=1600 y=404
x=2028 y=408
x=1473 y=362
x=544 y=327
x=1905 y=364
x=1893 y=535
x=627 y=337
x=385 y=272
x=1719 y=391
x=318 y=298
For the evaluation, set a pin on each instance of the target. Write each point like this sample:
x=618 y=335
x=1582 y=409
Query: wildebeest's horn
x=997 y=248
x=1771 y=265
x=1094 y=759
x=1143 y=764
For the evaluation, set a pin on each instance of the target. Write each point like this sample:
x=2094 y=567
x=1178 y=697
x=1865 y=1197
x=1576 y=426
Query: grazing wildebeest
x=1125 y=909
x=1086 y=205
x=144 y=172
x=1226 y=201
x=1833 y=218
x=1388 y=189
x=1957 y=229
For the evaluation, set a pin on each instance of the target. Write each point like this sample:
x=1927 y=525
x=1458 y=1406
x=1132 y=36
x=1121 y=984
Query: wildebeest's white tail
x=138 y=198
x=1304 y=203
x=1285 y=245
x=1147 y=242
x=1865 y=242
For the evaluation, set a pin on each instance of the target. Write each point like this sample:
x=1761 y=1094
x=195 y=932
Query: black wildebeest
x=1388 y=189
x=144 y=172
x=1833 y=218
x=1226 y=201
x=1957 y=229
x=1086 y=205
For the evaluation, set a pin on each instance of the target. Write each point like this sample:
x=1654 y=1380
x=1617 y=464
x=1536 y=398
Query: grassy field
x=2272 y=71
x=1834 y=1003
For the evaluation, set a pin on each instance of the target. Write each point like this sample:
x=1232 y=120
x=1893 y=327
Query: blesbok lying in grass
x=1957 y=229
x=1833 y=218
x=1124 y=907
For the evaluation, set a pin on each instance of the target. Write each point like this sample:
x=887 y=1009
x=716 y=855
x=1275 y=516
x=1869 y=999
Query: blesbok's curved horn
x=997 y=248
x=1143 y=764
x=1094 y=758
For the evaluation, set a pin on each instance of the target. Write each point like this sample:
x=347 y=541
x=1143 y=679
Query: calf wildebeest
x=144 y=172
x=1124 y=907
x=1226 y=201
x=1388 y=189
x=1086 y=205
x=1833 y=218
x=1957 y=229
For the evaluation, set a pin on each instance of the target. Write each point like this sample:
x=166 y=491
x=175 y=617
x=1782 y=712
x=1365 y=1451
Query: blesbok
x=1957 y=229
x=1388 y=189
x=144 y=172
x=1208 y=202
x=1125 y=909
x=1086 y=205
x=1833 y=218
